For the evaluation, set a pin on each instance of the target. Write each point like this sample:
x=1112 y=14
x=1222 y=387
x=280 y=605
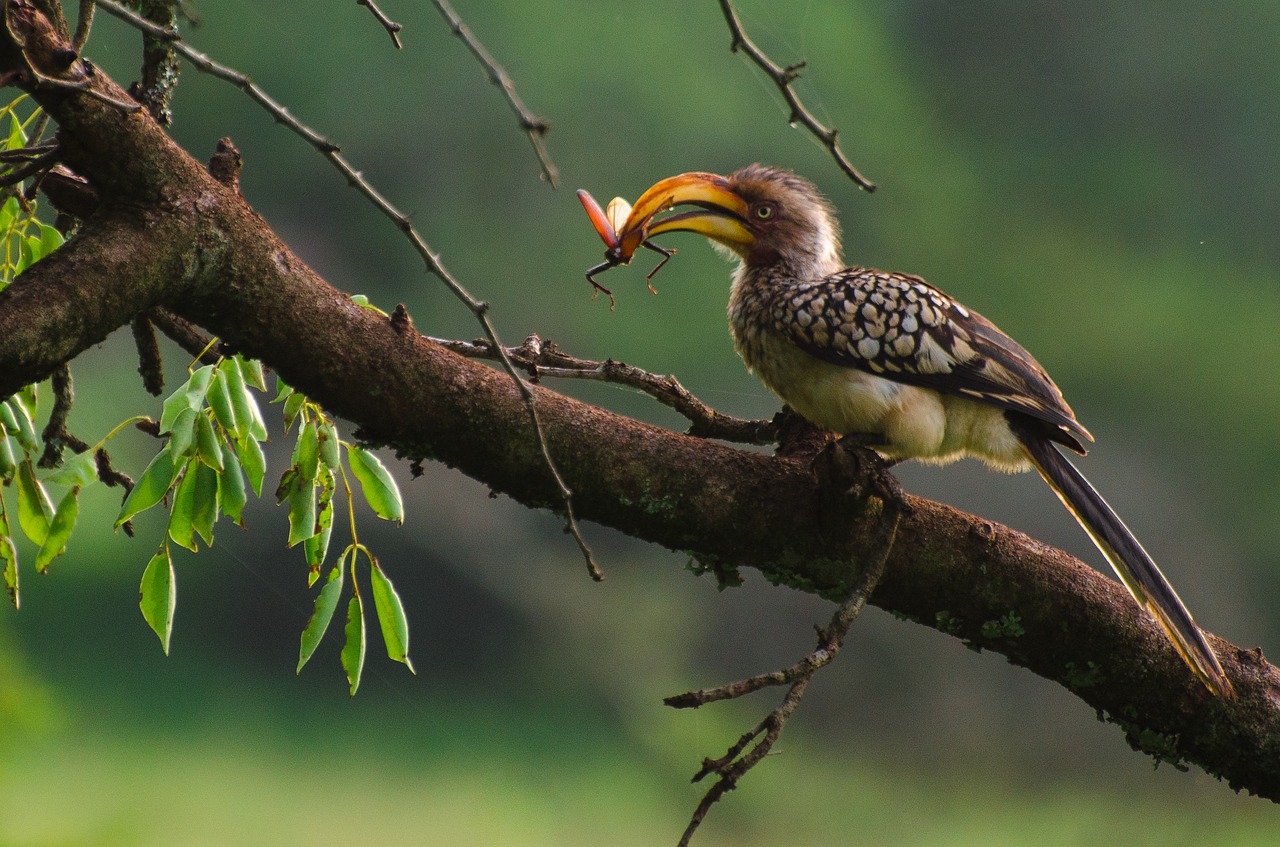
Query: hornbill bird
x=890 y=359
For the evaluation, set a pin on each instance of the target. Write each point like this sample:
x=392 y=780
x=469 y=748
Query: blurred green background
x=1098 y=178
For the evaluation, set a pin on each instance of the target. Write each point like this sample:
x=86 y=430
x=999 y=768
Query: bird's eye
x=765 y=211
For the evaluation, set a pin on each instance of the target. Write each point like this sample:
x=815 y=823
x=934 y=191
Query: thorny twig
x=735 y=763
x=542 y=358
x=392 y=28
x=535 y=126
x=332 y=152
x=783 y=77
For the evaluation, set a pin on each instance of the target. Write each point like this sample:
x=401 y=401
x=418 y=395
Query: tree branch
x=172 y=235
x=331 y=151
x=392 y=28
x=541 y=359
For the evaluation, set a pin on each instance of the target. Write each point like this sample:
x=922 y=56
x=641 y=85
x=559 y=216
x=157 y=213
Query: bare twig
x=783 y=77
x=187 y=336
x=150 y=365
x=55 y=436
x=84 y=23
x=735 y=763
x=26 y=154
x=38 y=163
x=159 y=64
x=392 y=28
x=535 y=126
x=330 y=151
x=542 y=358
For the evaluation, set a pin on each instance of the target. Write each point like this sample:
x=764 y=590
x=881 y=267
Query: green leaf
x=151 y=487
x=288 y=481
x=198 y=386
x=190 y=395
x=205 y=506
x=35 y=511
x=248 y=419
x=326 y=604
x=80 y=470
x=282 y=390
x=251 y=369
x=8 y=213
x=50 y=240
x=9 y=555
x=327 y=437
x=301 y=494
x=231 y=491
x=353 y=649
x=17 y=138
x=23 y=427
x=27 y=396
x=317 y=545
x=158 y=595
x=25 y=254
x=395 y=627
x=376 y=484
x=208 y=445
x=174 y=405
x=220 y=396
x=182 y=514
x=60 y=528
x=292 y=408
x=8 y=461
x=182 y=433
x=254 y=462
x=306 y=455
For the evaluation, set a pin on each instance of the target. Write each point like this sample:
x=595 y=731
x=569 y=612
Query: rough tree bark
x=167 y=233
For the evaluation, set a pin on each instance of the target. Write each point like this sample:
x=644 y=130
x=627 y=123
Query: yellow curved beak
x=722 y=214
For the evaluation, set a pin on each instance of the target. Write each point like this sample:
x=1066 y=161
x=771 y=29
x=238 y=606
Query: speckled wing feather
x=901 y=328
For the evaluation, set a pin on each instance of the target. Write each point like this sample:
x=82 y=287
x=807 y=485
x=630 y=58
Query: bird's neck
x=770 y=270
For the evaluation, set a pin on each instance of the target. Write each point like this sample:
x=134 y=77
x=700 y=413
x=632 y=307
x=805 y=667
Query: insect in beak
x=607 y=223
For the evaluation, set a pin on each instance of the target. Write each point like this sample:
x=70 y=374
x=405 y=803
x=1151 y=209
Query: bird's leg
x=861 y=448
x=798 y=438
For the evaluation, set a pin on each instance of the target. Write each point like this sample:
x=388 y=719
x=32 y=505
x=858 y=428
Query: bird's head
x=766 y=216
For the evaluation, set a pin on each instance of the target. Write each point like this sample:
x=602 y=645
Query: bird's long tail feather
x=1131 y=563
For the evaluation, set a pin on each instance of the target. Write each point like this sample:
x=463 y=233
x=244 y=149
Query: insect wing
x=599 y=219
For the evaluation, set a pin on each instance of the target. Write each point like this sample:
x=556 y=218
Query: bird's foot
x=797 y=437
x=854 y=460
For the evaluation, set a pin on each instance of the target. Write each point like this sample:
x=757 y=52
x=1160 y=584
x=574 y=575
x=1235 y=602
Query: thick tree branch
x=168 y=234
